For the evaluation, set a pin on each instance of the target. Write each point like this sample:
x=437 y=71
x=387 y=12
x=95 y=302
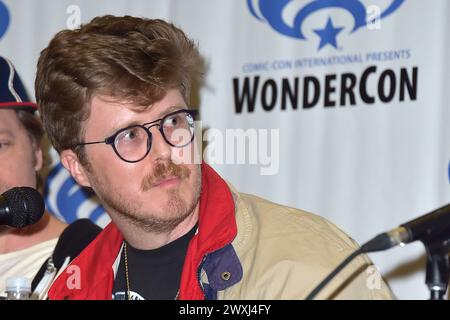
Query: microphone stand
x=438 y=268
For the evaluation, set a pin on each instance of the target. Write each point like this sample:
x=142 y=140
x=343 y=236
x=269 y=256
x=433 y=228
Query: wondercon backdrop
x=336 y=107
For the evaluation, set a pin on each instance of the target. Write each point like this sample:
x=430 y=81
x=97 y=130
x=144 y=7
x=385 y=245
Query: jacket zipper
x=199 y=271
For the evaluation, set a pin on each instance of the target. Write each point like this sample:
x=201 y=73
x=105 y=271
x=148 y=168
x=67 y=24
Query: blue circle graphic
x=4 y=19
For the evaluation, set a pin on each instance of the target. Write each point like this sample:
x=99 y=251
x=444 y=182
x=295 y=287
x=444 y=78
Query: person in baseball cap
x=22 y=251
x=12 y=90
x=26 y=252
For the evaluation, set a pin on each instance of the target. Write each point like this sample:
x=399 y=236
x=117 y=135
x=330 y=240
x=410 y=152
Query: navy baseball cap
x=12 y=91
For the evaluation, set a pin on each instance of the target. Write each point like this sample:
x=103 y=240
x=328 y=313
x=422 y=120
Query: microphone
x=430 y=227
x=21 y=207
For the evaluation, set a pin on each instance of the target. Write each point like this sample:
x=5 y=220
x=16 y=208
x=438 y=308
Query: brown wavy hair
x=127 y=58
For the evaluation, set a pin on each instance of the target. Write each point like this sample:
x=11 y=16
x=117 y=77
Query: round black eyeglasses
x=133 y=143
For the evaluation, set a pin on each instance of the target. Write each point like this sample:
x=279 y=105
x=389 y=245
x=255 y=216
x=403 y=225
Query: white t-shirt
x=24 y=263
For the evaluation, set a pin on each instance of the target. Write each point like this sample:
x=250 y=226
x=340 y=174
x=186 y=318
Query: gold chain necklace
x=127 y=277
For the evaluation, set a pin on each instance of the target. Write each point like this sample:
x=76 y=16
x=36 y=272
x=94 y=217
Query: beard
x=170 y=214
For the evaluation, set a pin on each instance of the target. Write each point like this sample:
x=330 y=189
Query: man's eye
x=174 y=120
x=4 y=144
x=129 y=135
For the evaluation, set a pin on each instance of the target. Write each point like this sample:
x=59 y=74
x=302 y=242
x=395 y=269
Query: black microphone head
x=26 y=206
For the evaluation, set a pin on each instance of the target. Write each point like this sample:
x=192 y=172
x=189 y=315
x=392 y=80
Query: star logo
x=328 y=34
x=272 y=12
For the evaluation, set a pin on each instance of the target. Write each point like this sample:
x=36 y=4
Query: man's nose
x=160 y=149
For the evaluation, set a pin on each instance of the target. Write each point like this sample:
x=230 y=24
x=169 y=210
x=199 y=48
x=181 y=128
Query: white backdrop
x=367 y=166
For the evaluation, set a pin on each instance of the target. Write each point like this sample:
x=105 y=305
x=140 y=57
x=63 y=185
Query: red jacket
x=90 y=275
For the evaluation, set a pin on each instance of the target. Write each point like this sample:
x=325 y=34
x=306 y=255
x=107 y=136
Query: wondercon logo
x=287 y=18
x=4 y=19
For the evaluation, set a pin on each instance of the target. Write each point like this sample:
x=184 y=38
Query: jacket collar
x=90 y=275
x=217 y=228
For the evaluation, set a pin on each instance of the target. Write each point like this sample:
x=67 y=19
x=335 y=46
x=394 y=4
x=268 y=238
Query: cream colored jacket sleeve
x=286 y=252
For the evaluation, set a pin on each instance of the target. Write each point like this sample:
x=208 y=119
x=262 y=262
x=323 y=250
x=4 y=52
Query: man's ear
x=71 y=162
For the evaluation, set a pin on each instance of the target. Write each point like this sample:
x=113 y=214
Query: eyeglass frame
x=110 y=140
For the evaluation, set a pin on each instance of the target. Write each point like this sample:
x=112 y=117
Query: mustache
x=162 y=171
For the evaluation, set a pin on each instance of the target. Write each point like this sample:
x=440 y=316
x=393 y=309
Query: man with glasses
x=133 y=143
x=114 y=99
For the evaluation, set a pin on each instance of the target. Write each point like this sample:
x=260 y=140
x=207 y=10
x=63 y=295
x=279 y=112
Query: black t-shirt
x=152 y=274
